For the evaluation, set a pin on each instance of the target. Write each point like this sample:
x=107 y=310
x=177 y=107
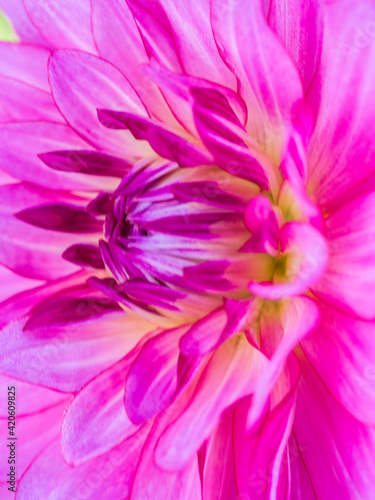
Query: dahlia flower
x=187 y=249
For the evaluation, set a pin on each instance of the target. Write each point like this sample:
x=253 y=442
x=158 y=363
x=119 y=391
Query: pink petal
x=22 y=102
x=343 y=353
x=219 y=477
x=119 y=42
x=28 y=251
x=100 y=405
x=299 y=25
x=152 y=379
x=108 y=477
x=12 y=284
x=80 y=84
x=299 y=476
x=229 y=376
x=40 y=429
x=21 y=304
x=191 y=28
x=21 y=22
x=31 y=399
x=223 y=135
x=156 y=32
x=181 y=85
x=26 y=63
x=343 y=136
x=350 y=273
x=164 y=141
x=327 y=434
x=61 y=25
x=20 y=144
x=280 y=333
x=151 y=482
x=261 y=457
x=215 y=328
x=66 y=357
x=262 y=71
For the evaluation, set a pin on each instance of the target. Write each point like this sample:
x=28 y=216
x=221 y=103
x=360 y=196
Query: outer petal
x=262 y=71
x=24 y=27
x=219 y=477
x=11 y=283
x=26 y=63
x=62 y=24
x=191 y=28
x=150 y=482
x=97 y=479
x=261 y=458
x=119 y=42
x=80 y=84
x=342 y=351
x=280 y=333
x=350 y=274
x=152 y=379
x=22 y=102
x=229 y=376
x=33 y=431
x=20 y=143
x=343 y=100
x=65 y=357
x=31 y=399
x=327 y=434
x=100 y=405
x=299 y=25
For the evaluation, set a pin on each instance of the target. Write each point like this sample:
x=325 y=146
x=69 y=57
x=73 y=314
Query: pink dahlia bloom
x=188 y=249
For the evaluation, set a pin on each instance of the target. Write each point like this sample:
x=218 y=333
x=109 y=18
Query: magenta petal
x=215 y=328
x=84 y=255
x=26 y=63
x=299 y=25
x=192 y=33
x=164 y=141
x=327 y=434
x=42 y=426
x=343 y=353
x=22 y=102
x=222 y=133
x=262 y=70
x=98 y=479
x=12 y=284
x=350 y=272
x=119 y=42
x=345 y=128
x=297 y=318
x=80 y=84
x=230 y=375
x=60 y=217
x=152 y=379
x=30 y=253
x=156 y=32
x=61 y=25
x=219 y=478
x=152 y=482
x=86 y=162
x=52 y=311
x=261 y=457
